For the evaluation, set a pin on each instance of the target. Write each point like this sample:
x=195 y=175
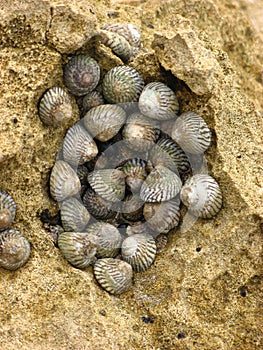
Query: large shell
x=158 y=101
x=114 y=275
x=122 y=84
x=202 y=195
x=78 y=146
x=81 y=75
x=7 y=210
x=14 y=249
x=64 y=182
x=135 y=172
x=79 y=248
x=160 y=185
x=92 y=99
x=191 y=132
x=132 y=209
x=104 y=121
x=129 y=31
x=139 y=250
x=55 y=107
x=74 y=215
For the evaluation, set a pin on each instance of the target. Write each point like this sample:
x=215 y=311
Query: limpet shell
x=7 y=210
x=135 y=171
x=129 y=31
x=132 y=208
x=92 y=99
x=74 y=215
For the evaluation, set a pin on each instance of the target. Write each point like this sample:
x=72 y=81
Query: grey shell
x=74 y=215
x=132 y=209
x=135 y=171
x=7 y=210
x=113 y=275
x=92 y=99
x=127 y=30
x=139 y=227
x=14 y=249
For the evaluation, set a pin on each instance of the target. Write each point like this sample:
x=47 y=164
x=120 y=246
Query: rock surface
x=204 y=290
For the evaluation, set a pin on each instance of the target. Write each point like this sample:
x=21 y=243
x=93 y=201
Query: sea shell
x=104 y=121
x=78 y=146
x=55 y=107
x=122 y=84
x=129 y=31
x=92 y=99
x=113 y=275
x=160 y=185
x=7 y=210
x=132 y=209
x=74 y=215
x=79 y=248
x=158 y=101
x=135 y=171
x=139 y=227
x=202 y=196
x=81 y=75
x=191 y=132
x=139 y=250
x=14 y=249
x=64 y=182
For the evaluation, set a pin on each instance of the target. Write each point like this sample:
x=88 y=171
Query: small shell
x=64 y=182
x=114 y=275
x=139 y=250
x=139 y=227
x=14 y=249
x=160 y=185
x=158 y=101
x=7 y=210
x=132 y=209
x=92 y=99
x=202 y=196
x=74 y=215
x=191 y=132
x=79 y=248
x=127 y=30
x=78 y=146
x=104 y=121
x=122 y=84
x=135 y=171
x=55 y=107
x=81 y=75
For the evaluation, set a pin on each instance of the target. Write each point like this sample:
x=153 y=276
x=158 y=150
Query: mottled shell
x=113 y=275
x=108 y=183
x=135 y=171
x=140 y=132
x=202 y=196
x=127 y=30
x=139 y=227
x=79 y=248
x=78 y=146
x=64 y=181
x=81 y=75
x=97 y=206
x=160 y=185
x=55 y=107
x=122 y=84
x=191 y=132
x=162 y=217
x=139 y=250
x=93 y=99
x=132 y=209
x=74 y=215
x=14 y=249
x=158 y=101
x=104 y=121
x=7 y=210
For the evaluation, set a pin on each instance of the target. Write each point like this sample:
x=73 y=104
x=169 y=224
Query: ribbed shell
x=158 y=101
x=64 y=181
x=81 y=75
x=139 y=250
x=160 y=185
x=108 y=183
x=104 y=121
x=202 y=196
x=97 y=206
x=132 y=209
x=14 y=249
x=122 y=84
x=162 y=217
x=78 y=146
x=55 y=107
x=127 y=30
x=191 y=132
x=92 y=99
x=79 y=248
x=7 y=210
x=74 y=215
x=135 y=171
x=113 y=275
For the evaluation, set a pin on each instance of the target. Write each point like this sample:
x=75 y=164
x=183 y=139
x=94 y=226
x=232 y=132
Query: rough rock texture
x=204 y=290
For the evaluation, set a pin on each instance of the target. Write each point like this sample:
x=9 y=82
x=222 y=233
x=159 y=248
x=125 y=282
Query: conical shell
x=78 y=146
x=81 y=75
x=135 y=171
x=64 y=182
x=191 y=132
x=158 y=101
x=160 y=185
x=7 y=210
x=113 y=275
x=104 y=121
x=14 y=249
x=139 y=250
x=92 y=99
x=129 y=31
x=202 y=196
x=74 y=215
x=132 y=209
